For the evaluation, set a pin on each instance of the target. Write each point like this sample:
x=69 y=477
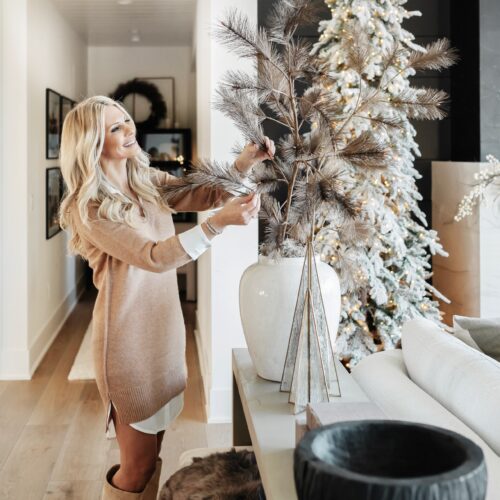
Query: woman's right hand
x=237 y=211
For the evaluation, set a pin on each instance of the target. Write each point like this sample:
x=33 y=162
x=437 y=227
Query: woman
x=120 y=223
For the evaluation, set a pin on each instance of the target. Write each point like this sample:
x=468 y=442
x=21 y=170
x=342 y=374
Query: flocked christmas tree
x=347 y=152
x=386 y=278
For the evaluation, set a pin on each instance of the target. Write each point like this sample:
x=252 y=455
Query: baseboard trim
x=221 y=407
x=204 y=364
x=218 y=402
x=49 y=332
x=15 y=363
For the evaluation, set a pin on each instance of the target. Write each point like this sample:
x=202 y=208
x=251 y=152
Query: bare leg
x=138 y=454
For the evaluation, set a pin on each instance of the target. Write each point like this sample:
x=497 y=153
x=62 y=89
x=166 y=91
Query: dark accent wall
x=465 y=123
x=433 y=137
x=273 y=130
x=475 y=80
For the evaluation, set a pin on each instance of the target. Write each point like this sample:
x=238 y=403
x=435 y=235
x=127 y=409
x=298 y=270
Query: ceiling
x=106 y=22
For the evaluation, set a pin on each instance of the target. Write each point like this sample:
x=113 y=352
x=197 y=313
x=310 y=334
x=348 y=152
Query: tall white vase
x=268 y=293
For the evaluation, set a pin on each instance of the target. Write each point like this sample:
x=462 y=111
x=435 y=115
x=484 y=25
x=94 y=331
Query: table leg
x=241 y=436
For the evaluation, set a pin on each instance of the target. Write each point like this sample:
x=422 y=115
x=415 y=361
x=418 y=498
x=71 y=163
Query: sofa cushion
x=463 y=380
x=484 y=332
x=384 y=379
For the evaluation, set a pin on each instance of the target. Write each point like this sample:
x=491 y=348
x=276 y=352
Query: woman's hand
x=252 y=154
x=237 y=211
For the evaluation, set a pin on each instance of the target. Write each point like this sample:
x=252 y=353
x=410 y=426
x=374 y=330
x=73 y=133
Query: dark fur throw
x=232 y=475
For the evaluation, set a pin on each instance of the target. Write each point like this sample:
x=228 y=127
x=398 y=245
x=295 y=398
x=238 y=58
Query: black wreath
x=150 y=91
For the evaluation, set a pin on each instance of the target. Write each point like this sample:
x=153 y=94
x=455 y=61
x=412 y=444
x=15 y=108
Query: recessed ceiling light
x=123 y=2
x=135 y=35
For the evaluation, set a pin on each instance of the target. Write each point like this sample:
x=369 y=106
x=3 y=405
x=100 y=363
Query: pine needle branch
x=422 y=104
x=438 y=55
x=287 y=16
x=204 y=173
x=365 y=152
x=236 y=33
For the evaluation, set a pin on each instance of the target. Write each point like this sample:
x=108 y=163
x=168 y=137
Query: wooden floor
x=52 y=439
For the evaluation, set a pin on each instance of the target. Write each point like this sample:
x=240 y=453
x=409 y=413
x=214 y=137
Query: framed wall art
x=66 y=105
x=166 y=86
x=54 y=190
x=139 y=106
x=52 y=124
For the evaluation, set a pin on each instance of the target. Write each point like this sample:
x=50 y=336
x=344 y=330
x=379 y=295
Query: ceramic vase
x=267 y=295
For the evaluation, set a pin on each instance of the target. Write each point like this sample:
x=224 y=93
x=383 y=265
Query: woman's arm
x=124 y=243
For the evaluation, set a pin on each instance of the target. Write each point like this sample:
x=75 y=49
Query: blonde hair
x=82 y=143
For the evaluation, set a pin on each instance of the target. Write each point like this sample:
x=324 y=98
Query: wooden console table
x=263 y=418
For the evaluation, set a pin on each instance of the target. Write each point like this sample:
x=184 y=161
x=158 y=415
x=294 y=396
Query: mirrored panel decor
x=169 y=149
x=54 y=190
x=52 y=124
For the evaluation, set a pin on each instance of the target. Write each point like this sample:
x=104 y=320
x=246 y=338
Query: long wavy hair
x=82 y=142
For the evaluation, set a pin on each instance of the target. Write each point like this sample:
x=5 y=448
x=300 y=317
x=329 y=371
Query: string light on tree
x=392 y=268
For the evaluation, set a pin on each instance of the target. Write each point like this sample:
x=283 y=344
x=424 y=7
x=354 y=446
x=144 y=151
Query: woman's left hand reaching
x=252 y=154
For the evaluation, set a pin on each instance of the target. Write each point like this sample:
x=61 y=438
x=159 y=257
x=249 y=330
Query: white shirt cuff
x=194 y=241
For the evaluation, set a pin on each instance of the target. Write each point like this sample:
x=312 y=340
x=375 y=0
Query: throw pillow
x=465 y=381
x=463 y=335
x=485 y=332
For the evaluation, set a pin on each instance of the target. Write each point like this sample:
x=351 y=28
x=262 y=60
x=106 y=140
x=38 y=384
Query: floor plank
x=53 y=429
x=74 y=490
x=83 y=455
x=60 y=397
x=29 y=466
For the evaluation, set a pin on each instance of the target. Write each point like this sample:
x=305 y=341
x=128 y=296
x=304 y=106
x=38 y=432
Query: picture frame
x=139 y=107
x=169 y=148
x=54 y=191
x=52 y=124
x=66 y=105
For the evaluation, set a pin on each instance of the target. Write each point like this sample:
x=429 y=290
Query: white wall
x=57 y=59
x=2 y=297
x=219 y=269
x=110 y=66
x=203 y=61
x=14 y=171
x=40 y=284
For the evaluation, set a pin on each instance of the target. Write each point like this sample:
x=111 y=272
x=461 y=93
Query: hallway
x=53 y=444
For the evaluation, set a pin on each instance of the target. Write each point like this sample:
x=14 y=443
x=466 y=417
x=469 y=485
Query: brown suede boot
x=151 y=490
x=111 y=492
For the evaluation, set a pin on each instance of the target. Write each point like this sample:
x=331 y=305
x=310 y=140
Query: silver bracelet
x=212 y=228
x=242 y=174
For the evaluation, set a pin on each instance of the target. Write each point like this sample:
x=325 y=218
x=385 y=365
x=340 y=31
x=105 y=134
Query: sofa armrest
x=384 y=378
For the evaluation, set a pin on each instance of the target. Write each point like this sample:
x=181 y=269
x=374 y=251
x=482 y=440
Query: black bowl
x=388 y=460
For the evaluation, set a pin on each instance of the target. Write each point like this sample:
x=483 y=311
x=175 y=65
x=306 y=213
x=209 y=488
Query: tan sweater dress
x=138 y=338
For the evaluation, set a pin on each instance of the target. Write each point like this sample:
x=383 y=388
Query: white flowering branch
x=484 y=178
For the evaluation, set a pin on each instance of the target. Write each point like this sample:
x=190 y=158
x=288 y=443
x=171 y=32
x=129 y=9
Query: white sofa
x=437 y=379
